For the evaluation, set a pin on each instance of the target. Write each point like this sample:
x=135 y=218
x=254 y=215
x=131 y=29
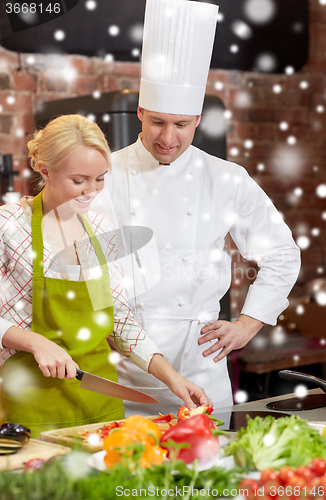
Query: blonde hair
x=61 y=137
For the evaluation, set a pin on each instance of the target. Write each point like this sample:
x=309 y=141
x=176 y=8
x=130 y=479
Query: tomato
x=248 y=488
x=268 y=475
x=271 y=489
x=296 y=481
x=305 y=472
x=285 y=473
x=270 y=480
x=317 y=488
x=293 y=489
x=318 y=466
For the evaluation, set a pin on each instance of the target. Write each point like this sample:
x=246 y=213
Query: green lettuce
x=269 y=443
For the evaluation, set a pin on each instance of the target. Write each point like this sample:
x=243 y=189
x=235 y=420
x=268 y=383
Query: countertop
x=319 y=414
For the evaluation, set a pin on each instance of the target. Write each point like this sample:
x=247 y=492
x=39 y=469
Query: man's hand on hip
x=229 y=335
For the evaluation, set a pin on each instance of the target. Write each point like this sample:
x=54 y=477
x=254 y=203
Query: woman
x=61 y=290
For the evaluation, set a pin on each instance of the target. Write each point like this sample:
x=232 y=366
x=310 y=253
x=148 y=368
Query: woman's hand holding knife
x=52 y=359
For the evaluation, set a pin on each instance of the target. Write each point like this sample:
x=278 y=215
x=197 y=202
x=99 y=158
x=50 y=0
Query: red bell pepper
x=196 y=431
x=163 y=418
x=106 y=429
x=184 y=412
x=33 y=464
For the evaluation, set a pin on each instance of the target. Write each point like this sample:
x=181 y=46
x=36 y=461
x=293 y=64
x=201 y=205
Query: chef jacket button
x=133 y=213
x=141 y=304
x=189 y=213
x=133 y=172
x=184 y=259
x=79 y=243
x=180 y=304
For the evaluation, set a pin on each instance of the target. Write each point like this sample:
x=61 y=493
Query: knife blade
x=109 y=388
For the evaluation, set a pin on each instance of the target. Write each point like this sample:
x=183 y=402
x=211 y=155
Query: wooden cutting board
x=33 y=449
x=71 y=436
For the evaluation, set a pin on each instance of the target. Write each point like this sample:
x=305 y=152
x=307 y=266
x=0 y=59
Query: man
x=191 y=201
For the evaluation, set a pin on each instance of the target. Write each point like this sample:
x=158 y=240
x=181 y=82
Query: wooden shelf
x=280 y=359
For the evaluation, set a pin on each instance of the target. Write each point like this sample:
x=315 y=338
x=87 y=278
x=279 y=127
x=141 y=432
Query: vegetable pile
x=291 y=456
x=135 y=443
x=268 y=443
x=139 y=441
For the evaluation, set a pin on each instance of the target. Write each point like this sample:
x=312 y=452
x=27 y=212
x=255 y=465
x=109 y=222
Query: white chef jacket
x=175 y=282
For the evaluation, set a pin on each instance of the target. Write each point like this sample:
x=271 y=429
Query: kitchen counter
x=319 y=414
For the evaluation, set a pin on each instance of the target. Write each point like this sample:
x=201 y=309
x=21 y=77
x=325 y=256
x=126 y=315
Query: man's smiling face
x=166 y=136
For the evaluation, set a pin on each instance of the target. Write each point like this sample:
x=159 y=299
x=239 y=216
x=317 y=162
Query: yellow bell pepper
x=121 y=444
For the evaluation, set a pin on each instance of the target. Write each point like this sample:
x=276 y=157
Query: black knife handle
x=302 y=377
x=79 y=374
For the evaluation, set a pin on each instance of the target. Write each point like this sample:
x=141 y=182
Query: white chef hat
x=177 y=47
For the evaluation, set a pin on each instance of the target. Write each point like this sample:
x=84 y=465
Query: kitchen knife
x=109 y=388
x=302 y=377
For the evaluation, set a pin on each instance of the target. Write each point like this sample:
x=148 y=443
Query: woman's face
x=77 y=181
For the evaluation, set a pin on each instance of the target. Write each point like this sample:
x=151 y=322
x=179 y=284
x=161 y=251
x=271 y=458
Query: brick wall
x=277 y=128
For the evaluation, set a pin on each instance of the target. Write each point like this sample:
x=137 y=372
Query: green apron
x=63 y=313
